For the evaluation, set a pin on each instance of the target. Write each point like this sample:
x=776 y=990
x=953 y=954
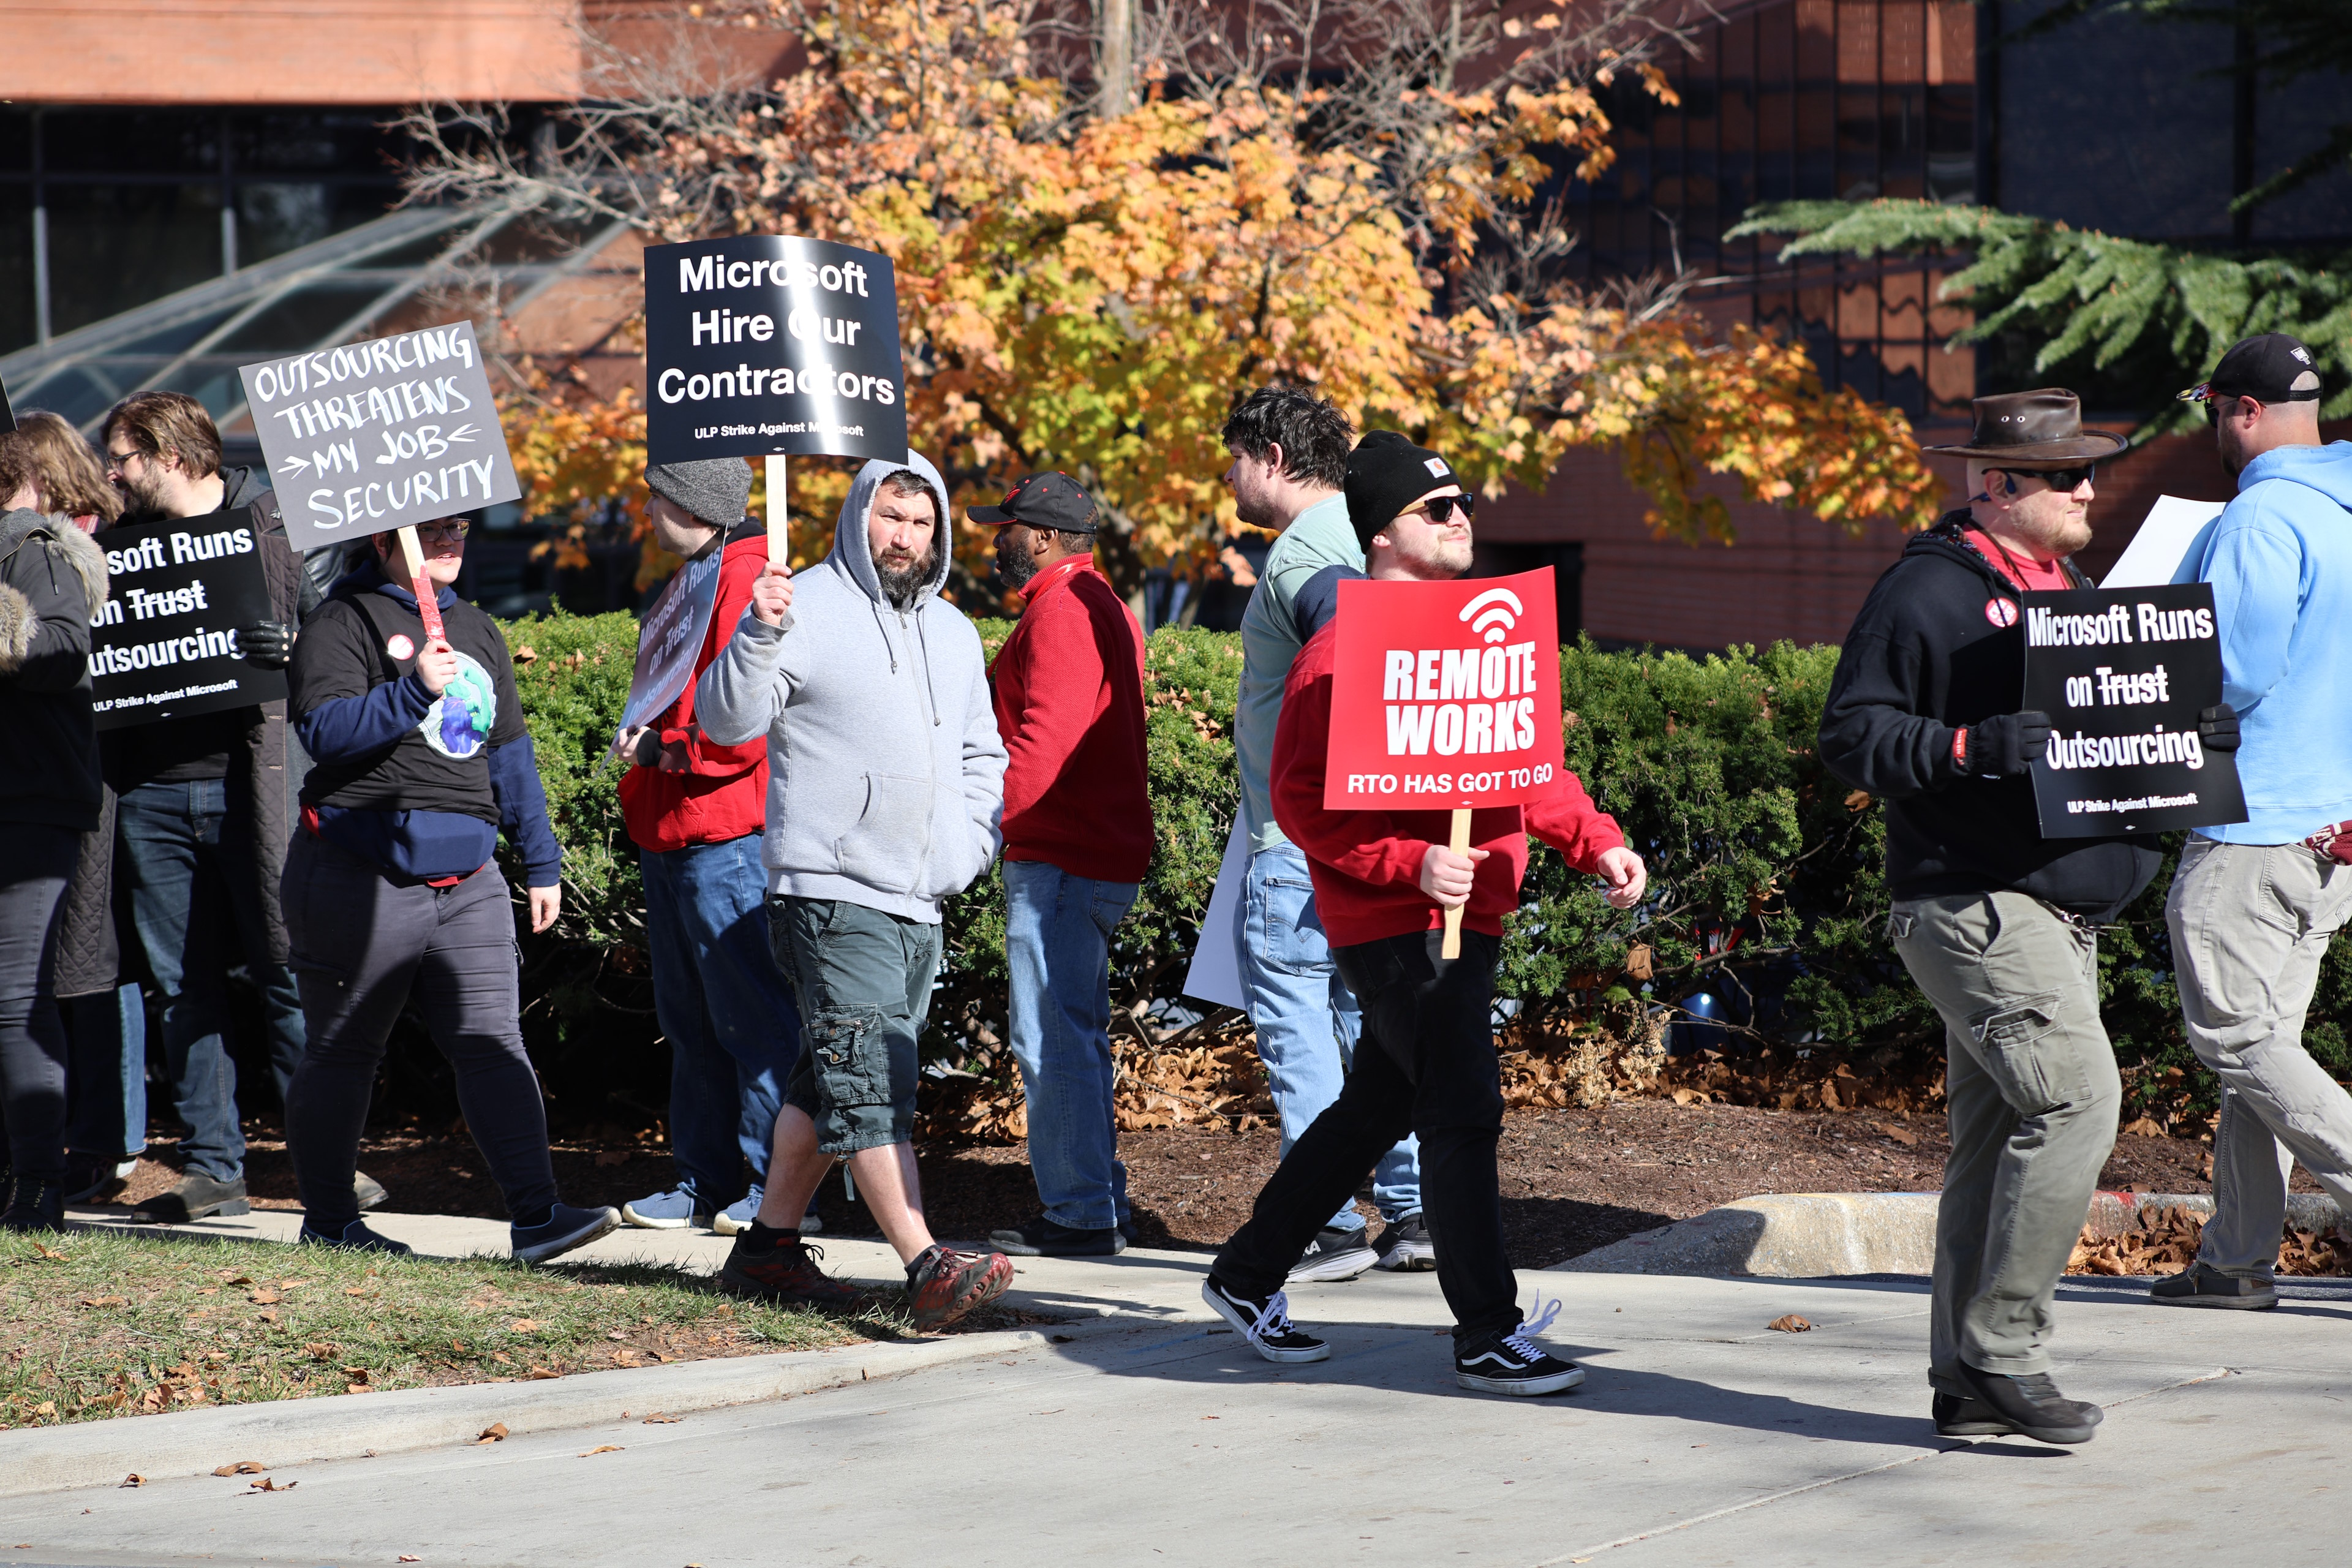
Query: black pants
x=35 y=862
x=1426 y=1064
x=361 y=945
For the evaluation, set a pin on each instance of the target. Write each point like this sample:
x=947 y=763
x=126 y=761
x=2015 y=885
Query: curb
x=1819 y=1235
x=280 y=1433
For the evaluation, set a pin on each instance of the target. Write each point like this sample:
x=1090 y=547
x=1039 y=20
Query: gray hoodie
x=886 y=778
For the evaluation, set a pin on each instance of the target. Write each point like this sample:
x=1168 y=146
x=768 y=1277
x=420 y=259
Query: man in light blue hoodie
x=2254 y=904
x=886 y=783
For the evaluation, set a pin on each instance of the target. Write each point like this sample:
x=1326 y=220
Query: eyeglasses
x=116 y=461
x=441 y=532
x=1441 y=508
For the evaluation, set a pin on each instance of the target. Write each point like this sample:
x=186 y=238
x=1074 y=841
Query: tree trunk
x=1115 y=40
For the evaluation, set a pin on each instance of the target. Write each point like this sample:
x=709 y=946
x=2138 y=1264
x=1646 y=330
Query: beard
x=902 y=580
x=1014 y=565
x=142 y=499
x=2062 y=534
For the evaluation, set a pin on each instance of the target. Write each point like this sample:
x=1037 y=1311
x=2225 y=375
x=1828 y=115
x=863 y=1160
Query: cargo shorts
x=863 y=980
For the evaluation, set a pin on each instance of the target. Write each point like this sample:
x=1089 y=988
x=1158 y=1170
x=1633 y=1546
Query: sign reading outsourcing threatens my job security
x=380 y=435
x=2123 y=675
x=165 y=643
x=766 y=344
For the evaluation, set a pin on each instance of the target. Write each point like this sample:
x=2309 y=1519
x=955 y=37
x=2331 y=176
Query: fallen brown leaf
x=242 y=1467
x=104 y=1301
x=659 y=1419
x=495 y=1432
x=405 y=1557
x=324 y=1350
x=1789 y=1323
x=540 y=1373
x=41 y=1251
x=355 y=1289
x=47 y=1406
x=1909 y=1140
x=265 y=1297
x=133 y=1480
x=603 y=1448
x=525 y=1325
x=266 y=1485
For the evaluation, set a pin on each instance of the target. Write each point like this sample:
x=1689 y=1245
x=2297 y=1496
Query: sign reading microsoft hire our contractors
x=2123 y=675
x=380 y=435
x=164 y=646
x=767 y=344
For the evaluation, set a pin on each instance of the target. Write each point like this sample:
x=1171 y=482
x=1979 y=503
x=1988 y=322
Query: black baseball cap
x=2269 y=368
x=1043 y=500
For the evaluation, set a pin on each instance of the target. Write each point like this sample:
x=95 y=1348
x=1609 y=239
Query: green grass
x=100 y=1325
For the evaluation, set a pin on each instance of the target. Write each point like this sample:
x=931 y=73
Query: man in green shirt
x=1290 y=458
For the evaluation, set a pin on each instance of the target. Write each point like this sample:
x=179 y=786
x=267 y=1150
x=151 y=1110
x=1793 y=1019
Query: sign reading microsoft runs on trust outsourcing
x=769 y=344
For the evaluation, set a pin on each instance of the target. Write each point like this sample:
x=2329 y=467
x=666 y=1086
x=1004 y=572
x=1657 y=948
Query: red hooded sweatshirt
x=1366 y=865
x=1068 y=688
x=723 y=793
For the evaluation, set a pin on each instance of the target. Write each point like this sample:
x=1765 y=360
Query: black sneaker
x=355 y=1237
x=1333 y=1255
x=1404 y=1246
x=2032 y=1406
x=564 y=1229
x=1957 y=1416
x=1265 y=1322
x=90 y=1180
x=1512 y=1362
x=34 y=1205
x=192 y=1199
x=2198 y=1286
x=1043 y=1237
x=1127 y=1230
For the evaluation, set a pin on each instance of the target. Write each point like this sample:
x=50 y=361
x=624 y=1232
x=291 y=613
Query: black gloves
x=2005 y=745
x=649 y=749
x=2217 y=728
x=268 y=645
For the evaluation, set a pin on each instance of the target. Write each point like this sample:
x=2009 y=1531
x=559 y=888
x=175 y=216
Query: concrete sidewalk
x=1700 y=1437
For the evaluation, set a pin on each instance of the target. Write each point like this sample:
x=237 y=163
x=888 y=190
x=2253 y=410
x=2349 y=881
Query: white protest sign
x=1215 y=973
x=380 y=435
x=2174 y=528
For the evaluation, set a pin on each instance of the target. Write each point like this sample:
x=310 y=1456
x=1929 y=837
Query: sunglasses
x=1441 y=508
x=2062 y=479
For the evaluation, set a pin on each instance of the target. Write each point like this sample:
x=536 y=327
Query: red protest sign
x=1444 y=695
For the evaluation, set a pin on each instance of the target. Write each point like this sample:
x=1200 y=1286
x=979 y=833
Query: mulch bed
x=1572 y=1179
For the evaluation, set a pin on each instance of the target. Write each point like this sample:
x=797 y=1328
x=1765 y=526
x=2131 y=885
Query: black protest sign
x=2123 y=676
x=165 y=645
x=7 y=413
x=768 y=343
x=380 y=435
x=670 y=638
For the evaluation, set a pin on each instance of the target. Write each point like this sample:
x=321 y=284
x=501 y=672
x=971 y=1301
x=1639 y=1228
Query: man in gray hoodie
x=886 y=782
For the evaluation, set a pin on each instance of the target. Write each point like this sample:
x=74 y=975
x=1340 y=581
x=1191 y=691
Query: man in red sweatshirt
x=1068 y=689
x=1427 y=1066
x=696 y=811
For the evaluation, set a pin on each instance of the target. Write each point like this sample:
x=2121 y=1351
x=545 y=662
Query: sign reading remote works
x=379 y=435
x=768 y=344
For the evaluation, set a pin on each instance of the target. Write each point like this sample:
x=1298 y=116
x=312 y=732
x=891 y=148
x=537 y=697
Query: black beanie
x=1386 y=474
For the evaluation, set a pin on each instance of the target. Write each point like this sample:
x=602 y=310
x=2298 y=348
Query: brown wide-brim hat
x=2033 y=428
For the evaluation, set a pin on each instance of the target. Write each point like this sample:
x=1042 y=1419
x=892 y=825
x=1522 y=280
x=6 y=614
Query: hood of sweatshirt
x=242 y=486
x=368 y=577
x=853 y=555
x=2328 y=469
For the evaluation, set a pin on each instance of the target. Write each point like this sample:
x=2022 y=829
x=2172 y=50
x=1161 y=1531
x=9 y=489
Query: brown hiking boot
x=787 y=1274
x=943 y=1284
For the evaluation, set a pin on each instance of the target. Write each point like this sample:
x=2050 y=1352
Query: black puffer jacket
x=1941 y=645
x=52 y=582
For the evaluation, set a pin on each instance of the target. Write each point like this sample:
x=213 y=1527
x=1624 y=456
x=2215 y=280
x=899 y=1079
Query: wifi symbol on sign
x=1494 y=612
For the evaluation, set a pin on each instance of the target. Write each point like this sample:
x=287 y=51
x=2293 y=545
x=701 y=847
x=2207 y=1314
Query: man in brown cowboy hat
x=1995 y=924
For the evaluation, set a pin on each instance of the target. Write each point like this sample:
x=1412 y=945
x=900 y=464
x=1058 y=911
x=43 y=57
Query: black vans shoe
x=2032 y=1406
x=1514 y=1363
x=1265 y=1321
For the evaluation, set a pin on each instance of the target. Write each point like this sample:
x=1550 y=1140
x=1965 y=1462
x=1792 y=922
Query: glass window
x=16 y=326
x=274 y=216
x=131 y=141
x=115 y=246
x=16 y=139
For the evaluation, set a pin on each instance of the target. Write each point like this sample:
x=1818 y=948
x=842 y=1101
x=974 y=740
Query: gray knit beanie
x=716 y=489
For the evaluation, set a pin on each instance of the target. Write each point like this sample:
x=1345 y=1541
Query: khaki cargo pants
x=2033 y=1093
x=2250 y=925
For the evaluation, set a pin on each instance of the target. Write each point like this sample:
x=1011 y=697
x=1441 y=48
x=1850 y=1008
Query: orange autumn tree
x=1091 y=271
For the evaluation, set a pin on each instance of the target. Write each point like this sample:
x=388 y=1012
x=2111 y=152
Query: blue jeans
x=196 y=902
x=1057 y=946
x=725 y=1007
x=1306 y=1019
x=106 y=1093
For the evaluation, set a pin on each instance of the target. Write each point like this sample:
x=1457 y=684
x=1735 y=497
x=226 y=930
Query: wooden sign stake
x=779 y=537
x=1460 y=845
x=428 y=602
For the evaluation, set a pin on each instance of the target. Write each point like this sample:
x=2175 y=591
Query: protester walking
x=2254 y=904
x=1427 y=1062
x=1290 y=453
x=52 y=585
x=695 y=810
x=207 y=806
x=391 y=889
x=1997 y=924
x=886 y=782
x=1068 y=687
x=104 y=1012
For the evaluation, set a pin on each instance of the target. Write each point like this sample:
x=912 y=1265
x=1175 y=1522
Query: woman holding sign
x=391 y=889
x=1385 y=881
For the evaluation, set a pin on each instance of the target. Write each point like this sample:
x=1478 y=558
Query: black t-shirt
x=174 y=751
x=362 y=639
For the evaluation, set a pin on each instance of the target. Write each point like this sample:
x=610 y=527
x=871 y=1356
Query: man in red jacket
x=1069 y=688
x=1383 y=882
x=696 y=811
